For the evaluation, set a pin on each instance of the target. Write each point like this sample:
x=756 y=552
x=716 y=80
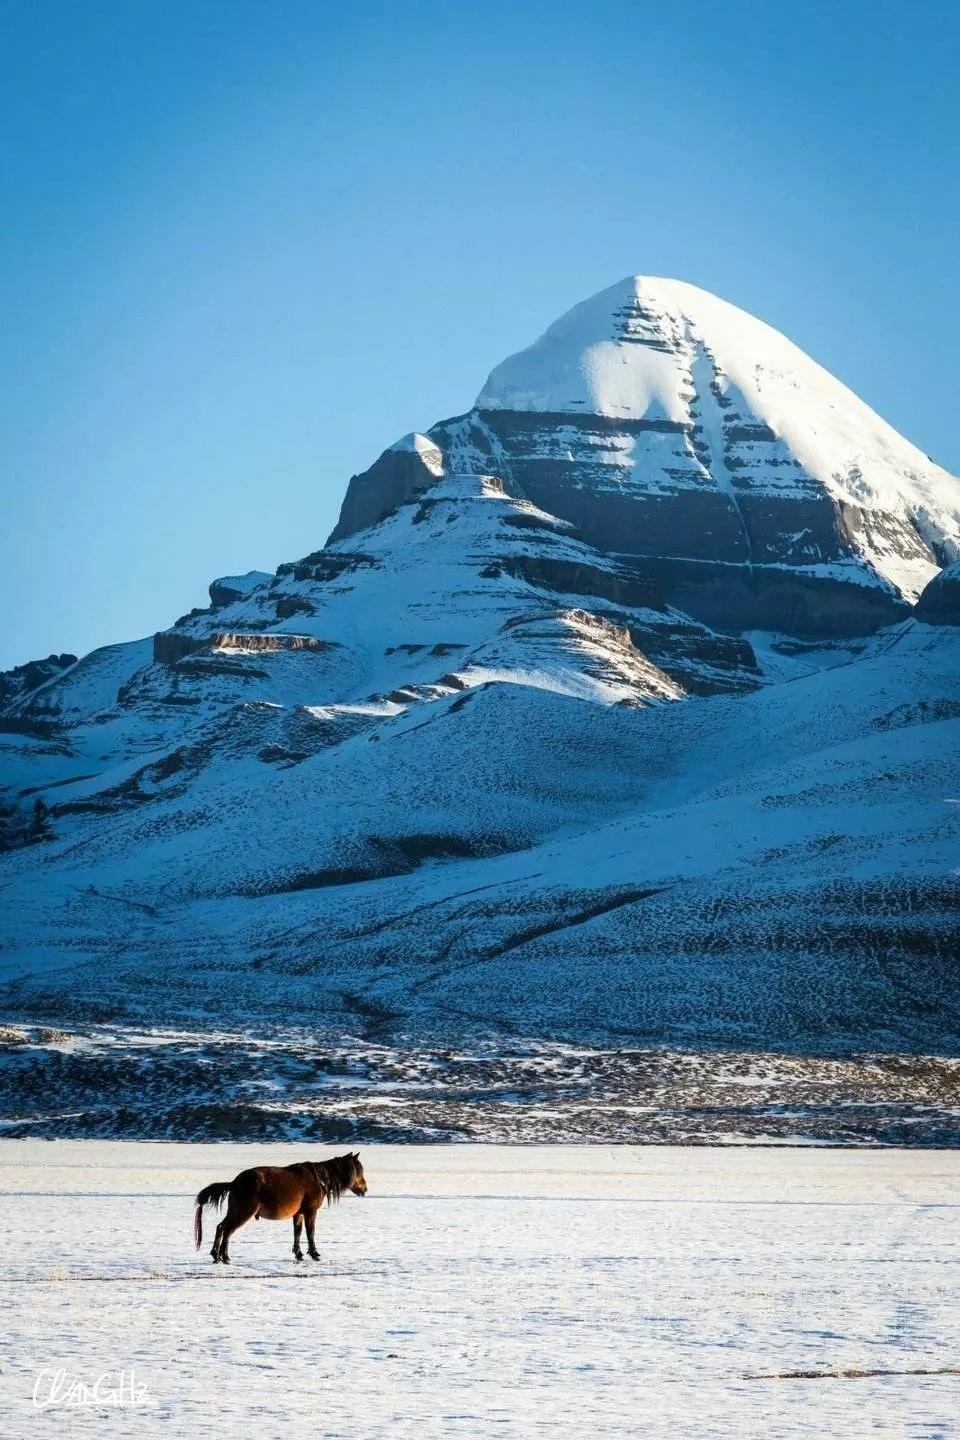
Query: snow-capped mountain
x=669 y=425
x=604 y=713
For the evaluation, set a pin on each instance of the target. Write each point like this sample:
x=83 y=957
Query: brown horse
x=272 y=1192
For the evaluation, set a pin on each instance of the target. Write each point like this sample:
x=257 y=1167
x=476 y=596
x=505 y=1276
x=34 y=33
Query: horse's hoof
x=314 y=1255
x=224 y=1259
x=298 y=1258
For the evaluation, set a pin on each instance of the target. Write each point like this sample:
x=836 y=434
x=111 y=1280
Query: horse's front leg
x=310 y=1216
x=297 y=1224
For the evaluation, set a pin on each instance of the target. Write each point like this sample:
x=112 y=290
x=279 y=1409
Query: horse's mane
x=334 y=1176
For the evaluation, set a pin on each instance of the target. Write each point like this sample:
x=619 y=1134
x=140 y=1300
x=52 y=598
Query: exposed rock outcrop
x=23 y=679
x=407 y=468
x=172 y=646
x=230 y=588
x=940 y=602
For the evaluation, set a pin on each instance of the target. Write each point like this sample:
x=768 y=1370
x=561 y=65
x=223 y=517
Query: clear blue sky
x=244 y=246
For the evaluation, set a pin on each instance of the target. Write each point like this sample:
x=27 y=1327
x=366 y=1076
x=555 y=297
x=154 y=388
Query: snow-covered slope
x=471 y=764
x=773 y=866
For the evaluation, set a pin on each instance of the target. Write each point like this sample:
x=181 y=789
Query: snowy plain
x=491 y=1291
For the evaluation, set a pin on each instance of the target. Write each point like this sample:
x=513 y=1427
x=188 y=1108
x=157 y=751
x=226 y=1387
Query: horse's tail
x=214 y=1194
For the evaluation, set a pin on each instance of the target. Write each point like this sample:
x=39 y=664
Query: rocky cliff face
x=23 y=679
x=940 y=602
x=603 y=714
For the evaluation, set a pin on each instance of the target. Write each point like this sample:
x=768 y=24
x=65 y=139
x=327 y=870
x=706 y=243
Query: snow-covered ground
x=492 y=1290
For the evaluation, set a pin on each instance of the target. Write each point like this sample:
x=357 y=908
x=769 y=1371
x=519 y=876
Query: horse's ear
x=356 y=1154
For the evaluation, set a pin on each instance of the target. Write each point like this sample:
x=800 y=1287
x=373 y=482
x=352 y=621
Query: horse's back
x=260 y=1176
x=277 y=1190
x=248 y=1179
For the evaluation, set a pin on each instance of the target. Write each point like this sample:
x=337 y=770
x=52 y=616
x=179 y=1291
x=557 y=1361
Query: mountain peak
x=632 y=351
x=667 y=423
x=617 y=353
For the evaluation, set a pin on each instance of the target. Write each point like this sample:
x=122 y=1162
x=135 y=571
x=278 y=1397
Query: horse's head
x=357 y=1184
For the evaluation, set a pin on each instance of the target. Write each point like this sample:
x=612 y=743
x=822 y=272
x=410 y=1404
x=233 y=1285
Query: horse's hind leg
x=237 y=1214
x=217 y=1239
x=297 y=1226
